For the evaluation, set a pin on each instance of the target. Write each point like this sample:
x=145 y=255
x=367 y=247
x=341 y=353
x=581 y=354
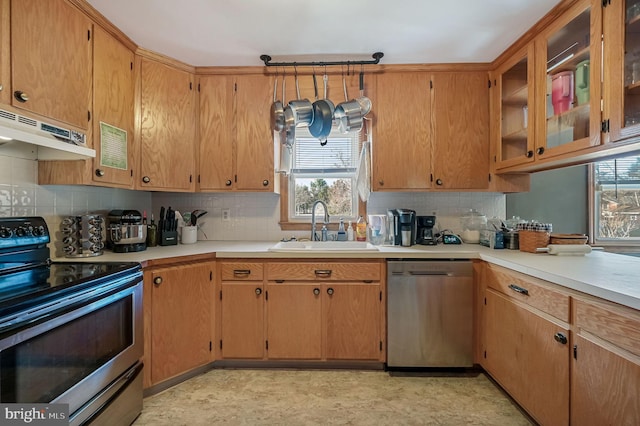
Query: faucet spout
x=314 y=237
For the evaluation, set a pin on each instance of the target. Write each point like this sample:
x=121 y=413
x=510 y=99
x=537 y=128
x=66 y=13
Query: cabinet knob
x=316 y=291
x=157 y=280
x=146 y=179
x=438 y=181
x=381 y=182
x=99 y=172
x=560 y=338
x=258 y=291
x=265 y=182
x=21 y=96
x=540 y=150
x=330 y=291
x=529 y=154
x=228 y=182
x=1 y=87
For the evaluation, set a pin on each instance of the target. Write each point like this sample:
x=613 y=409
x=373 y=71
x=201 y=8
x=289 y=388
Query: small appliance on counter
x=407 y=221
x=83 y=235
x=125 y=231
x=424 y=230
x=393 y=227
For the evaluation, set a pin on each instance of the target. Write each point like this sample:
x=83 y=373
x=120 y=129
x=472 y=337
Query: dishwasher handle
x=423 y=273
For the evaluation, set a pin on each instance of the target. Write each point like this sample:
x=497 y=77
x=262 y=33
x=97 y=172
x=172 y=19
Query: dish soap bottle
x=361 y=229
x=350 y=232
x=342 y=234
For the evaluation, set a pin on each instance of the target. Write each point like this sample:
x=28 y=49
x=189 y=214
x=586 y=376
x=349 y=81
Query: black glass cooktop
x=54 y=280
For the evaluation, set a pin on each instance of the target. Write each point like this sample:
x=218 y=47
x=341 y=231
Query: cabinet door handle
x=157 y=280
x=265 y=182
x=330 y=291
x=241 y=272
x=99 y=172
x=438 y=181
x=529 y=154
x=258 y=291
x=146 y=179
x=518 y=289
x=560 y=338
x=540 y=151
x=316 y=291
x=381 y=182
x=228 y=182
x=21 y=96
x=323 y=273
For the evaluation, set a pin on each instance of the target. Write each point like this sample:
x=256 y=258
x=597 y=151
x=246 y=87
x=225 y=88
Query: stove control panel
x=16 y=232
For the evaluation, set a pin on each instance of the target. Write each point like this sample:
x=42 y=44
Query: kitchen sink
x=332 y=246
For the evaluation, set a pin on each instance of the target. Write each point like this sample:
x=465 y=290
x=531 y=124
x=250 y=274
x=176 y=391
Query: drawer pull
x=323 y=273
x=316 y=291
x=518 y=289
x=242 y=272
x=560 y=338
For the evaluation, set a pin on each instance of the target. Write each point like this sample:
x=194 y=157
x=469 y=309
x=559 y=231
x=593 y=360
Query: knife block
x=168 y=238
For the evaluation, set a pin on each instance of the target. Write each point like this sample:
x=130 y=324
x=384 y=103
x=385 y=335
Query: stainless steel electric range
x=70 y=332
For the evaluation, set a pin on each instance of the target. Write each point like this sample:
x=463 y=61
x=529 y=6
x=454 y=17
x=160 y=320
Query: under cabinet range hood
x=53 y=142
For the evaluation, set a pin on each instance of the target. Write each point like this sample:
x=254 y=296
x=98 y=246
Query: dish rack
x=83 y=235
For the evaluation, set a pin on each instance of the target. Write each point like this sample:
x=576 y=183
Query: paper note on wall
x=113 y=147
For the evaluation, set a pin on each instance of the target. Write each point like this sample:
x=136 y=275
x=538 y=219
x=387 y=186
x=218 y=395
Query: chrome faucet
x=314 y=237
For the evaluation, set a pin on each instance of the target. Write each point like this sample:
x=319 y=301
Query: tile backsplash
x=252 y=216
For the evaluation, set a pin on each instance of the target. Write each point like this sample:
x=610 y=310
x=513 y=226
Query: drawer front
x=325 y=271
x=616 y=324
x=528 y=290
x=242 y=271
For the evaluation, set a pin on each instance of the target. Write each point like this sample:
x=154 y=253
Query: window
x=326 y=173
x=616 y=197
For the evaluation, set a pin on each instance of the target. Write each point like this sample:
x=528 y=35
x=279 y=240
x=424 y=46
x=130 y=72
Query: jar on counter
x=472 y=223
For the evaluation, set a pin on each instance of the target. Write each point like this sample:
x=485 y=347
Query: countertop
x=609 y=276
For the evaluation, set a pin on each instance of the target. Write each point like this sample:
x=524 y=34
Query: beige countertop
x=610 y=276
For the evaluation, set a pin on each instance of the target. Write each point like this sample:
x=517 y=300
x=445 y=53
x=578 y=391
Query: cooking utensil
x=302 y=109
x=195 y=215
x=322 y=113
x=277 y=109
x=348 y=114
x=365 y=103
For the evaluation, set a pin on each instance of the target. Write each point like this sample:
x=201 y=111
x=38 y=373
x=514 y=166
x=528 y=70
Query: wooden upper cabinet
x=5 y=48
x=254 y=136
x=460 y=134
x=216 y=159
x=51 y=60
x=167 y=136
x=113 y=92
x=402 y=132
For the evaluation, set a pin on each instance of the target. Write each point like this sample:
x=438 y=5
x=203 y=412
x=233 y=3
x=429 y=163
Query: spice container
x=472 y=223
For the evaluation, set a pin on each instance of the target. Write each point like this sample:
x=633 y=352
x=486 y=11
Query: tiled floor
x=301 y=397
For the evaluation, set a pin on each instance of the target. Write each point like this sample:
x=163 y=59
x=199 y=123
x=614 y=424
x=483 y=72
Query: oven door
x=74 y=354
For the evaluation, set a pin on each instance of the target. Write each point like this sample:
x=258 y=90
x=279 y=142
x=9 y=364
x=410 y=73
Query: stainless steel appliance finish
x=79 y=325
x=407 y=219
x=430 y=313
x=125 y=231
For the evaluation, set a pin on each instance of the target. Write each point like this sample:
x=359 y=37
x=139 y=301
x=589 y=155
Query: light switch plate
x=226 y=215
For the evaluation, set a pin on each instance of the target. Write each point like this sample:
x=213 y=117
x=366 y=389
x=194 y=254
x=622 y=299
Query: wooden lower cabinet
x=523 y=355
x=178 y=305
x=242 y=317
x=352 y=316
x=294 y=321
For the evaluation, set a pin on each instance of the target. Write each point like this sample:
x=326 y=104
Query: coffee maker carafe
x=407 y=225
x=424 y=233
x=125 y=231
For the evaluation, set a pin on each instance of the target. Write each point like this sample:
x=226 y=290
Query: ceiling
x=236 y=33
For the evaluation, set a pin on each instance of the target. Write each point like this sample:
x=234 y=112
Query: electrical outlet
x=226 y=215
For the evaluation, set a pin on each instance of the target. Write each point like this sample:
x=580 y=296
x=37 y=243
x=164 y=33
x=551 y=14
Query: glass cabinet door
x=514 y=80
x=569 y=65
x=621 y=86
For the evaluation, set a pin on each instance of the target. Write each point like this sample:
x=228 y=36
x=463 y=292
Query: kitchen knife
x=168 y=224
x=161 y=220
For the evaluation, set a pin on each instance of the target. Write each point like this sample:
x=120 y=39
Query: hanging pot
x=302 y=109
x=348 y=114
x=322 y=113
x=365 y=103
x=277 y=109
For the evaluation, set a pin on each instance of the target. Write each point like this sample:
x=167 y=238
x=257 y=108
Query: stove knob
x=21 y=231
x=38 y=231
x=5 y=232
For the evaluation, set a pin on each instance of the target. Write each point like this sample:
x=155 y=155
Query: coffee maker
x=125 y=231
x=424 y=230
x=407 y=226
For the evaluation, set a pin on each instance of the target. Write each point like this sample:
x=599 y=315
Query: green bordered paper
x=113 y=147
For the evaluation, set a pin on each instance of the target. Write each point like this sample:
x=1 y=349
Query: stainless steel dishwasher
x=429 y=313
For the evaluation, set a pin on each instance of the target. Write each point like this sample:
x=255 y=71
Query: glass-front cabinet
x=515 y=126
x=568 y=56
x=621 y=26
